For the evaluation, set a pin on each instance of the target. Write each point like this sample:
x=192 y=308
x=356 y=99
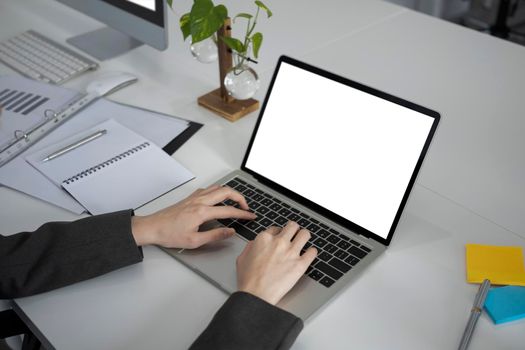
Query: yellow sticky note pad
x=501 y=265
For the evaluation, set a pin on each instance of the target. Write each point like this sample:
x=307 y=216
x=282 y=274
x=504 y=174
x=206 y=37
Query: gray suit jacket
x=62 y=253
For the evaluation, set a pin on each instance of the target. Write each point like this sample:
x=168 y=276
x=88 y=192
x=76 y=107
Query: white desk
x=415 y=296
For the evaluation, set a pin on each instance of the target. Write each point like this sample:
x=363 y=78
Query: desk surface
x=470 y=188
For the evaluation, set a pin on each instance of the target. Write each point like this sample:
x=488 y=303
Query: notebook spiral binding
x=97 y=167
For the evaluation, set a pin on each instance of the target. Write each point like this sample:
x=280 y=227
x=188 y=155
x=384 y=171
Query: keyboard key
x=295 y=210
x=315 y=275
x=263 y=210
x=341 y=254
x=313 y=228
x=333 y=239
x=341 y=266
x=285 y=205
x=275 y=207
x=326 y=281
x=243 y=231
x=355 y=243
x=304 y=215
x=314 y=221
x=328 y=270
x=267 y=202
x=320 y=242
x=293 y=217
x=323 y=233
x=251 y=187
x=248 y=193
x=252 y=225
x=357 y=252
x=226 y=222
x=243 y=222
x=265 y=222
x=260 y=229
x=241 y=181
x=334 y=231
x=254 y=205
x=352 y=260
x=232 y=183
x=344 y=245
x=272 y=215
x=240 y=188
x=258 y=197
x=281 y=220
x=366 y=249
x=330 y=248
x=284 y=212
x=324 y=226
x=277 y=200
x=344 y=237
x=324 y=256
x=303 y=223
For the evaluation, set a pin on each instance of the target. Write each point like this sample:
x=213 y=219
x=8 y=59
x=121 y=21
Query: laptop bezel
x=308 y=203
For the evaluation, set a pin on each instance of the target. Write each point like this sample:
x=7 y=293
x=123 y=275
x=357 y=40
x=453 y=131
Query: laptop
x=338 y=157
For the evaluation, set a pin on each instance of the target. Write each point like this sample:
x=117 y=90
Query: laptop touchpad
x=216 y=261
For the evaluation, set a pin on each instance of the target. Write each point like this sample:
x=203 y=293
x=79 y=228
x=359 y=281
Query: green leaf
x=221 y=12
x=185 y=26
x=244 y=15
x=170 y=3
x=201 y=9
x=264 y=7
x=257 y=39
x=234 y=44
x=205 y=19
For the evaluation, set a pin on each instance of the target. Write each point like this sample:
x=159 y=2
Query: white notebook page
x=119 y=170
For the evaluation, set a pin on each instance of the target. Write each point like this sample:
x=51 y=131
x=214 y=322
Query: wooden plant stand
x=218 y=100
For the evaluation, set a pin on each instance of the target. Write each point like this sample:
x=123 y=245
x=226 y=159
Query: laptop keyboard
x=337 y=253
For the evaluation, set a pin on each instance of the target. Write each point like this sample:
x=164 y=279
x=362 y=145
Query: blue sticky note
x=505 y=304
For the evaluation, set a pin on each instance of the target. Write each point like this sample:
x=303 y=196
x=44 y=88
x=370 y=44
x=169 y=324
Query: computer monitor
x=131 y=24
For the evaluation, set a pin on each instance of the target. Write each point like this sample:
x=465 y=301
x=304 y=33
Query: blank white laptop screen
x=149 y=4
x=348 y=151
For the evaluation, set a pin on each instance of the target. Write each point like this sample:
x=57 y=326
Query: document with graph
x=24 y=104
x=27 y=105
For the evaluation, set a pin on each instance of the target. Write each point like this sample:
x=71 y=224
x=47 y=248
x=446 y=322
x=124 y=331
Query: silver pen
x=75 y=145
x=477 y=308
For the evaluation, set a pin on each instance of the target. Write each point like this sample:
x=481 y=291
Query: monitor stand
x=104 y=43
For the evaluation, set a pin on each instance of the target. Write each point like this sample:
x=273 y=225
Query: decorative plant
x=206 y=18
x=209 y=27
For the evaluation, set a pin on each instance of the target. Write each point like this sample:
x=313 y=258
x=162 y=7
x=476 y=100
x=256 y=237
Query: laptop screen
x=350 y=151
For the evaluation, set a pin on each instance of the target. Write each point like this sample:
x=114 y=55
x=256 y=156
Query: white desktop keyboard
x=41 y=58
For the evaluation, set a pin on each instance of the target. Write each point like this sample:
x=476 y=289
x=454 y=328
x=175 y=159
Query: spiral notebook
x=118 y=170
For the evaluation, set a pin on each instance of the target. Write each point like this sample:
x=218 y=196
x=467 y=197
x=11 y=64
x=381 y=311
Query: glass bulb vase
x=241 y=82
x=220 y=100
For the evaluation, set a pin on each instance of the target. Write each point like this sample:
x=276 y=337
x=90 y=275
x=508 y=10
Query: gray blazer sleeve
x=61 y=253
x=247 y=322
